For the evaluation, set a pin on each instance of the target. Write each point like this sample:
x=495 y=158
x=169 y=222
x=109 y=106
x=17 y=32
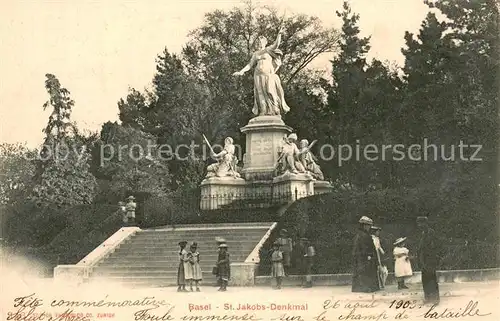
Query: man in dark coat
x=428 y=259
x=365 y=275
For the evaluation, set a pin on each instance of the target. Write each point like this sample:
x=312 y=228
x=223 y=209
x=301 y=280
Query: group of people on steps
x=189 y=271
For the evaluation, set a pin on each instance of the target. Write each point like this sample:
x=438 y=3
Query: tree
x=63 y=176
x=452 y=89
x=17 y=171
x=131 y=161
x=59 y=120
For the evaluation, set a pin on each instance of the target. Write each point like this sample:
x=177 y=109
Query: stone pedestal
x=219 y=191
x=293 y=186
x=243 y=274
x=264 y=138
x=322 y=187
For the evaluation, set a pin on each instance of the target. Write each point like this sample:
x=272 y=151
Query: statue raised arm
x=269 y=98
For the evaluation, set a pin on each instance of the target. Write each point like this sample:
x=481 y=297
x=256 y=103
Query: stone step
x=201 y=243
x=213 y=225
x=171 y=258
x=164 y=251
x=153 y=263
x=160 y=280
x=138 y=273
x=210 y=239
x=153 y=283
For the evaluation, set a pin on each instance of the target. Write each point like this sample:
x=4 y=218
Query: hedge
x=468 y=227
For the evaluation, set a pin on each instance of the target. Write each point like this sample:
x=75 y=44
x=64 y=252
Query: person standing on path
x=219 y=241
x=286 y=247
x=223 y=267
x=364 y=254
x=183 y=266
x=381 y=269
x=278 y=270
x=307 y=262
x=428 y=259
x=402 y=264
x=196 y=274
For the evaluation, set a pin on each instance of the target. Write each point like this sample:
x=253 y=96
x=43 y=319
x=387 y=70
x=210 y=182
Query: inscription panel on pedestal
x=262 y=150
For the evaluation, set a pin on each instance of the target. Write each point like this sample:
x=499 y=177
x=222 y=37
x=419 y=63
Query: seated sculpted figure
x=308 y=160
x=288 y=159
x=226 y=162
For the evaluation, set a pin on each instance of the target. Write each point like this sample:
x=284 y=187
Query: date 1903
x=403 y=304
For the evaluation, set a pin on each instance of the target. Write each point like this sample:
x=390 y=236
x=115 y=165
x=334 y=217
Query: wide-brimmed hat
x=194 y=244
x=220 y=240
x=400 y=240
x=223 y=245
x=131 y=197
x=183 y=243
x=365 y=220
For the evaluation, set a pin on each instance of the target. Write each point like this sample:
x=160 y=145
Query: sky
x=98 y=49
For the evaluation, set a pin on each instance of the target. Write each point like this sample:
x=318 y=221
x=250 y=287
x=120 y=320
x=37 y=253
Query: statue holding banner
x=227 y=161
x=269 y=98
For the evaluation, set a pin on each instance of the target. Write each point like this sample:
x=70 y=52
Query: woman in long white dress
x=402 y=265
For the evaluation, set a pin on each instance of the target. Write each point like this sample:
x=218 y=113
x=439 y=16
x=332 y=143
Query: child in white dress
x=277 y=270
x=196 y=274
x=402 y=265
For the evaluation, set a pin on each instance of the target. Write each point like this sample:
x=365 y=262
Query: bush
x=464 y=217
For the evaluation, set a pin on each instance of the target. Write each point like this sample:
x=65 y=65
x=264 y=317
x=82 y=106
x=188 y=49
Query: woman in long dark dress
x=364 y=277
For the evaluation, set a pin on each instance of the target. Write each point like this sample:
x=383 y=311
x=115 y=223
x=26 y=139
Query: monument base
x=294 y=186
x=322 y=187
x=264 y=138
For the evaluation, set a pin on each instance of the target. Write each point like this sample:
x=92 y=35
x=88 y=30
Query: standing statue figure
x=308 y=160
x=288 y=159
x=269 y=98
x=226 y=161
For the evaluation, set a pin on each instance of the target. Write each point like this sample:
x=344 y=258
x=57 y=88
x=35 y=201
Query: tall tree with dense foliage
x=130 y=161
x=63 y=177
x=361 y=103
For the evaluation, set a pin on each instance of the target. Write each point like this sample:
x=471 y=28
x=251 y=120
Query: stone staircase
x=149 y=258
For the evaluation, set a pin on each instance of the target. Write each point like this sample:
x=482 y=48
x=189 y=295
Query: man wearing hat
x=382 y=269
x=130 y=207
x=428 y=259
x=286 y=247
x=365 y=271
